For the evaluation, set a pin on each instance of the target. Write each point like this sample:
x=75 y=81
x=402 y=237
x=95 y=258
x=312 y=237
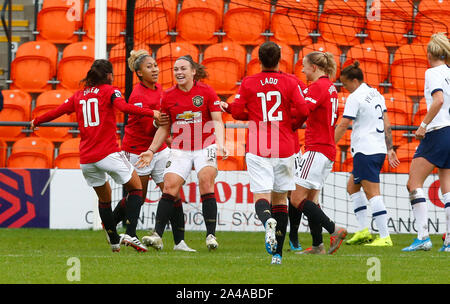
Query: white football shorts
x=156 y=167
x=181 y=162
x=313 y=170
x=115 y=165
x=270 y=174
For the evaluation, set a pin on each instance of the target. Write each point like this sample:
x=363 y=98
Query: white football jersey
x=366 y=106
x=438 y=78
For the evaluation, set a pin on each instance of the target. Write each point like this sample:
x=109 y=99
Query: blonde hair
x=325 y=61
x=136 y=58
x=439 y=47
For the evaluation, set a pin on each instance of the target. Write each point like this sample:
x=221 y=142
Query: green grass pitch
x=42 y=256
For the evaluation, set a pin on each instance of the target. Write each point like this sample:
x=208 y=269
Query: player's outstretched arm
x=65 y=108
x=341 y=128
x=438 y=101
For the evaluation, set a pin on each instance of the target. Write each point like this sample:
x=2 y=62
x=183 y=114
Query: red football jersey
x=96 y=119
x=322 y=100
x=269 y=98
x=302 y=86
x=190 y=115
x=139 y=131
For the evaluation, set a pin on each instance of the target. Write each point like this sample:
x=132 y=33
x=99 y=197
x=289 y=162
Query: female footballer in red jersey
x=195 y=114
x=271 y=98
x=99 y=151
x=320 y=149
x=139 y=133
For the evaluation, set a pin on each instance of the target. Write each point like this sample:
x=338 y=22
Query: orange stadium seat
x=58 y=20
x=294 y=20
x=48 y=101
x=225 y=63
x=76 y=61
x=286 y=61
x=166 y=56
x=198 y=20
x=117 y=56
x=322 y=47
x=301 y=137
x=34 y=66
x=420 y=113
x=245 y=20
x=153 y=19
x=405 y=155
x=399 y=109
x=69 y=154
x=433 y=17
x=31 y=152
x=3 y=152
x=373 y=59
x=408 y=68
x=342 y=21
x=17 y=107
x=235 y=144
x=116 y=21
x=342 y=98
x=390 y=21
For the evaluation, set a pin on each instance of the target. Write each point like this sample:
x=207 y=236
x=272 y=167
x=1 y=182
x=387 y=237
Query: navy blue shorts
x=367 y=167
x=435 y=147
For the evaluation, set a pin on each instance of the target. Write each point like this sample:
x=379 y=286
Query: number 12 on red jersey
x=269 y=115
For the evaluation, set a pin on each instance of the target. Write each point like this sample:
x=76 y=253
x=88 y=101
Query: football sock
x=314 y=213
x=106 y=215
x=315 y=229
x=132 y=211
x=280 y=214
x=420 y=211
x=209 y=210
x=177 y=222
x=119 y=211
x=295 y=217
x=360 y=208
x=262 y=209
x=163 y=212
x=379 y=213
x=447 y=215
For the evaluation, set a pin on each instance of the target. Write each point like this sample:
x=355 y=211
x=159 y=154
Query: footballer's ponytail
x=98 y=73
x=353 y=71
x=439 y=47
x=200 y=69
x=325 y=61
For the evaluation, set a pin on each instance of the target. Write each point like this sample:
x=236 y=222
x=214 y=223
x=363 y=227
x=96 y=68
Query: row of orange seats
x=36 y=64
x=18 y=107
x=38 y=152
x=246 y=21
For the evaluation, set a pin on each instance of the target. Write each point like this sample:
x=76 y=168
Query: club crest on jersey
x=197 y=100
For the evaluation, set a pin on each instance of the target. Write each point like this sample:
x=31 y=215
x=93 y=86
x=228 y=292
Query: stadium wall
x=68 y=203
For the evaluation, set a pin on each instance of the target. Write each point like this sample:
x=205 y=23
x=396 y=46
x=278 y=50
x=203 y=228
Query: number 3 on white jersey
x=265 y=97
x=89 y=119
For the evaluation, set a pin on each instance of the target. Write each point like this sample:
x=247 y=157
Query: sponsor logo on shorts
x=168 y=164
